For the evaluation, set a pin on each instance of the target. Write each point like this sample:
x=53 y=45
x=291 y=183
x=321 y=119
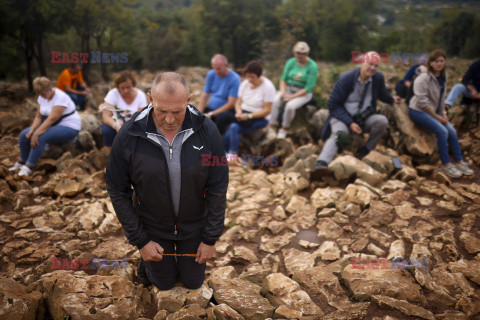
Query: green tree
x=454 y=28
x=236 y=27
x=95 y=20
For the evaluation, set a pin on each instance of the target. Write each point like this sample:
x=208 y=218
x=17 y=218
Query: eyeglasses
x=302 y=53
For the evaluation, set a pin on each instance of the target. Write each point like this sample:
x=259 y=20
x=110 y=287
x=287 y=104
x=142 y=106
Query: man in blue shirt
x=221 y=91
x=469 y=88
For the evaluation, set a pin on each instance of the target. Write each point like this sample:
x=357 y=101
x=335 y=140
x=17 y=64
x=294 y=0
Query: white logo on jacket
x=198 y=148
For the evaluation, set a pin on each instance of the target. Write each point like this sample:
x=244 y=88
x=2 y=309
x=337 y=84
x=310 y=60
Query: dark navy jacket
x=137 y=160
x=343 y=88
x=472 y=77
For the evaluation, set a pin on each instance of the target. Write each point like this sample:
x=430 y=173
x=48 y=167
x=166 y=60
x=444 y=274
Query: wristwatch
x=250 y=116
x=210 y=114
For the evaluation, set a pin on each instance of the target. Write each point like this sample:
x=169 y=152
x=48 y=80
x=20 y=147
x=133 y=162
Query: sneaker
x=25 y=171
x=232 y=159
x=282 y=134
x=450 y=170
x=321 y=169
x=16 y=166
x=463 y=168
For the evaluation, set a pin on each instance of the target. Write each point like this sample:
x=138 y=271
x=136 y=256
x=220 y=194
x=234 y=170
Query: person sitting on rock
x=56 y=121
x=120 y=104
x=71 y=82
x=296 y=86
x=403 y=85
x=469 y=88
x=427 y=109
x=352 y=105
x=221 y=92
x=254 y=103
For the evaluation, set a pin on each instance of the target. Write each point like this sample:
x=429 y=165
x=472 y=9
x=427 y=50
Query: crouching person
x=352 y=105
x=56 y=121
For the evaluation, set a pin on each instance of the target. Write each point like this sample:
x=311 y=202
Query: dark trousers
x=401 y=89
x=223 y=120
x=109 y=135
x=163 y=274
x=78 y=99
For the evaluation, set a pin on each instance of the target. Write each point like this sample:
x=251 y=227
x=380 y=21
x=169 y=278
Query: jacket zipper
x=170 y=149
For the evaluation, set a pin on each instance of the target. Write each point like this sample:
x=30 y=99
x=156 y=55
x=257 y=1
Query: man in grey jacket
x=179 y=203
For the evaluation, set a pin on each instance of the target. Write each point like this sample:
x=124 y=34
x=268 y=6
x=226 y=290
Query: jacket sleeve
x=216 y=190
x=337 y=99
x=383 y=93
x=468 y=77
x=119 y=186
x=420 y=88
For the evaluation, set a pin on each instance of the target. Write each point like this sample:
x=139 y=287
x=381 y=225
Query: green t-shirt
x=305 y=77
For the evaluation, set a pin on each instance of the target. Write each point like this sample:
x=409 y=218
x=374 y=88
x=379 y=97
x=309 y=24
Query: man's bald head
x=219 y=58
x=371 y=57
x=168 y=83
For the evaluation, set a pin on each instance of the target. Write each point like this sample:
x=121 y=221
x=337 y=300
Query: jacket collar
x=143 y=121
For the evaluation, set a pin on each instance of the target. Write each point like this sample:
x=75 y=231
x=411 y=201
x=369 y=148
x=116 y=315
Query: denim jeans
x=78 y=99
x=109 y=135
x=457 y=90
x=232 y=136
x=55 y=134
x=446 y=134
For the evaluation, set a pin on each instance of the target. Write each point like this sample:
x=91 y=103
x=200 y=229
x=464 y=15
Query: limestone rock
x=68 y=188
x=325 y=197
x=242 y=296
x=92 y=297
x=17 y=303
x=406 y=308
x=272 y=245
x=323 y=285
x=344 y=167
x=365 y=283
x=471 y=243
x=281 y=290
x=224 y=312
x=328 y=251
x=296 y=260
x=379 y=214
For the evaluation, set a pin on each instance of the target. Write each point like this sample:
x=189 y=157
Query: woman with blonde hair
x=56 y=121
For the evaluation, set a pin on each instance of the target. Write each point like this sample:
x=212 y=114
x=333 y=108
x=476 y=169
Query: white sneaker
x=15 y=167
x=464 y=169
x=450 y=170
x=282 y=134
x=25 y=171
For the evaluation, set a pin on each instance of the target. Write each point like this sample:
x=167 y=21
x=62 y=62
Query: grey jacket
x=427 y=93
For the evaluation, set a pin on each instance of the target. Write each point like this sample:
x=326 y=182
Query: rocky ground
x=366 y=242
